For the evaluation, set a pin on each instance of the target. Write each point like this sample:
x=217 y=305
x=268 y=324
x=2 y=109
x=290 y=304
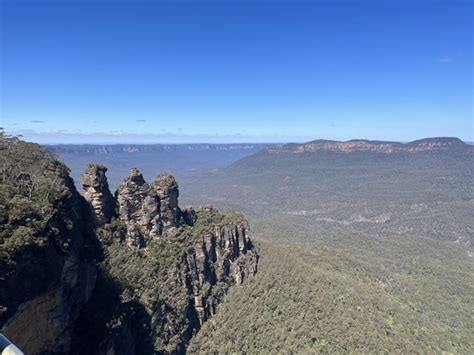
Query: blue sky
x=231 y=71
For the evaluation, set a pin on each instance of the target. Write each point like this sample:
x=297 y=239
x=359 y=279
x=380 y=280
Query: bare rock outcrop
x=363 y=145
x=188 y=259
x=98 y=274
x=138 y=208
x=150 y=211
x=225 y=255
x=97 y=193
x=189 y=216
x=48 y=251
x=167 y=189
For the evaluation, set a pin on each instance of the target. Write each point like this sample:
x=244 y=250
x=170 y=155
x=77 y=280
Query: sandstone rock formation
x=216 y=253
x=189 y=215
x=102 y=274
x=167 y=189
x=138 y=208
x=149 y=211
x=97 y=193
x=362 y=145
x=48 y=251
x=228 y=249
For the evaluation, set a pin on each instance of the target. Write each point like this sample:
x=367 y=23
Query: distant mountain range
x=139 y=148
x=376 y=248
x=177 y=159
x=373 y=240
x=423 y=187
x=426 y=144
x=183 y=159
x=95 y=273
x=363 y=145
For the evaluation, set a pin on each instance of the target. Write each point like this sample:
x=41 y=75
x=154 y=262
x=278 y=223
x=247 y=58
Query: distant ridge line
x=140 y=148
x=365 y=145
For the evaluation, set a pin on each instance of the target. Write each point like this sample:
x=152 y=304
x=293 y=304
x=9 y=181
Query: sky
x=236 y=71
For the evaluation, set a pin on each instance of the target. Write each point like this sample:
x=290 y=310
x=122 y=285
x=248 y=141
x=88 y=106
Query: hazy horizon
x=150 y=201
x=238 y=71
x=148 y=140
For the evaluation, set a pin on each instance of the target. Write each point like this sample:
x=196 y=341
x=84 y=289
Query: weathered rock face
x=216 y=254
x=230 y=253
x=43 y=323
x=149 y=211
x=189 y=216
x=97 y=193
x=48 y=252
x=138 y=208
x=362 y=145
x=80 y=276
x=166 y=188
x=186 y=260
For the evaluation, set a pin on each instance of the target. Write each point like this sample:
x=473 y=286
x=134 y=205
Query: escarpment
x=166 y=188
x=48 y=249
x=138 y=208
x=227 y=248
x=363 y=145
x=149 y=210
x=102 y=273
x=173 y=266
x=96 y=191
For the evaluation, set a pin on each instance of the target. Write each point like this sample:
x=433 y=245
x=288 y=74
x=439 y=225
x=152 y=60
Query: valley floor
x=346 y=292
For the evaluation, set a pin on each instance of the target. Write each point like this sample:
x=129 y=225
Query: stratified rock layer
x=149 y=211
x=138 y=208
x=192 y=258
x=97 y=193
x=229 y=250
x=363 y=145
x=48 y=249
x=101 y=274
x=167 y=189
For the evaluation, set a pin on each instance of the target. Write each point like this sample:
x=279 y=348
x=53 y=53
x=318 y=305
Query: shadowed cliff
x=98 y=273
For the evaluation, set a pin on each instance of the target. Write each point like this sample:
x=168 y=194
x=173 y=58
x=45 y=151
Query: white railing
x=7 y=347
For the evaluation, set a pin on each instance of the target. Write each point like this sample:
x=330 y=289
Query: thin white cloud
x=448 y=59
x=445 y=60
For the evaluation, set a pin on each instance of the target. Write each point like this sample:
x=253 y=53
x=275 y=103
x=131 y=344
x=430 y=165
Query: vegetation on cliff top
x=144 y=300
x=46 y=232
x=345 y=293
x=149 y=281
x=360 y=252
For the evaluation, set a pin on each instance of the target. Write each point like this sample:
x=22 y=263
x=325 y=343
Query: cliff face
x=96 y=191
x=423 y=145
x=166 y=188
x=173 y=266
x=223 y=254
x=47 y=249
x=96 y=273
x=138 y=208
x=139 y=148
